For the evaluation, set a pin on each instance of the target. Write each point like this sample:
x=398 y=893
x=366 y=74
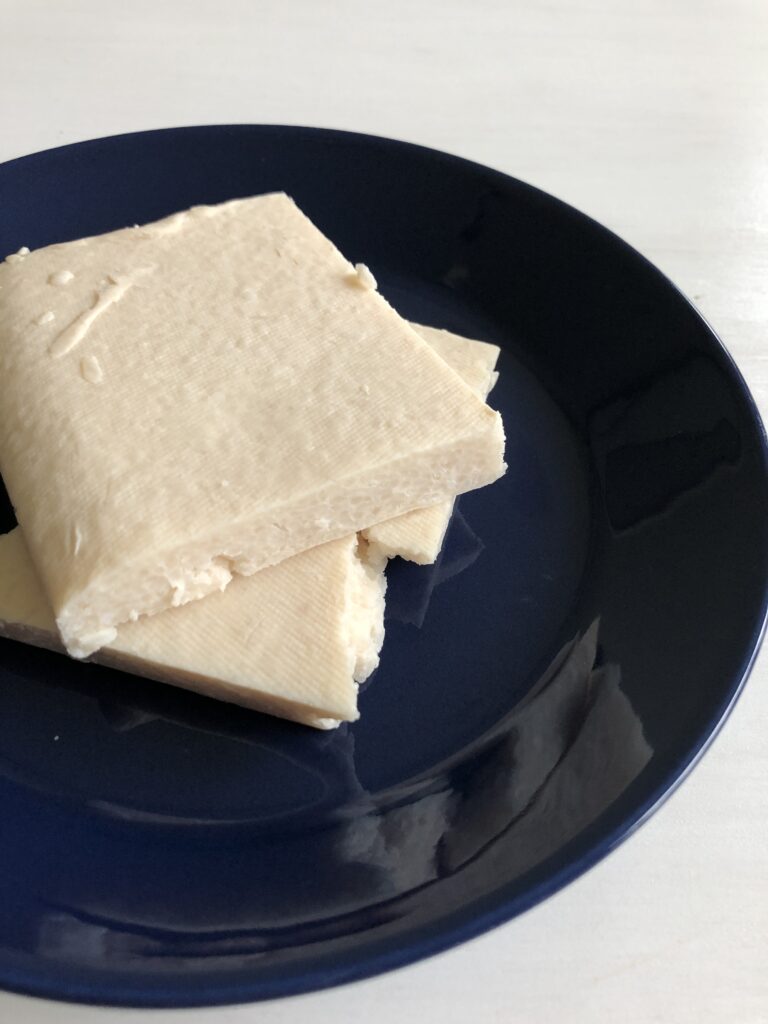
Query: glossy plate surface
x=590 y=623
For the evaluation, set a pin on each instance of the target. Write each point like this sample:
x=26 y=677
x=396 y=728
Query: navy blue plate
x=590 y=624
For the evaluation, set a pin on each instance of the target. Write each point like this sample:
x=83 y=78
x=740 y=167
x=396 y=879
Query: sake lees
x=215 y=394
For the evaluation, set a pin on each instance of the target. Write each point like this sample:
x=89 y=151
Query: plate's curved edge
x=471 y=921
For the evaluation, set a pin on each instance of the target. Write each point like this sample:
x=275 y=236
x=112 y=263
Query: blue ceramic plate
x=590 y=624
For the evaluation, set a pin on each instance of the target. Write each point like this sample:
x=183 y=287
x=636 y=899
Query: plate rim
x=469 y=922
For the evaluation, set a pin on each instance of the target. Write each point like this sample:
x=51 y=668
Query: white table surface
x=652 y=116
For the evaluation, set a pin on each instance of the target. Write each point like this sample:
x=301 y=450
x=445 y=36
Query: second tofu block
x=209 y=395
x=293 y=640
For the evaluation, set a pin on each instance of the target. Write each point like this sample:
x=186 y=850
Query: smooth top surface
x=666 y=144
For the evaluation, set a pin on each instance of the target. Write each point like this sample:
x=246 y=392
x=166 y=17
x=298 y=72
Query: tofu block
x=231 y=646
x=292 y=640
x=207 y=396
x=418 y=535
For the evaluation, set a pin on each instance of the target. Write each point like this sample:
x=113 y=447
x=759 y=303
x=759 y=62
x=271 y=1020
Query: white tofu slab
x=211 y=395
x=293 y=640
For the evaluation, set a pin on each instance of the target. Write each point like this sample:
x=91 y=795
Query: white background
x=652 y=116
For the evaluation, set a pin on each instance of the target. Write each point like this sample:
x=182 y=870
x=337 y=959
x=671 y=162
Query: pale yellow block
x=292 y=640
x=213 y=394
x=244 y=645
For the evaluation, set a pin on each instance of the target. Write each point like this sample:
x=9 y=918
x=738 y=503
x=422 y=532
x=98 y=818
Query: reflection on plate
x=590 y=623
x=575 y=733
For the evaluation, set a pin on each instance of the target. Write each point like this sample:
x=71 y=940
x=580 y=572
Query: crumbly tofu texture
x=213 y=394
x=292 y=640
x=418 y=535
